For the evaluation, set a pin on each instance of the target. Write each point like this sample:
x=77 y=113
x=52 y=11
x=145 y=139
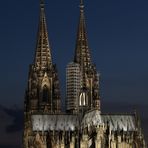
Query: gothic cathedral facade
x=82 y=125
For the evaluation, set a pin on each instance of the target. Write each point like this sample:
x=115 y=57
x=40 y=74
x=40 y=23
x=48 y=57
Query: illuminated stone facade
x=82 y=125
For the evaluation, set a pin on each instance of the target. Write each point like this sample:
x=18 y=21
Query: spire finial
x=43 y=57
x=42 y=3
x=81 y=5
x=82 y=50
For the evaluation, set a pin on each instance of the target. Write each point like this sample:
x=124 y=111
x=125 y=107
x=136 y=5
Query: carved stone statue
x=39 y=142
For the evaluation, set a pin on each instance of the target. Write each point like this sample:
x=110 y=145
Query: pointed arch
x=83 y=99
x=45 y=89
x=45 y=93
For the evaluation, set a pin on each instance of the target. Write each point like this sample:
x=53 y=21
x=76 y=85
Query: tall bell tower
x=43 y=92
x=83 y=85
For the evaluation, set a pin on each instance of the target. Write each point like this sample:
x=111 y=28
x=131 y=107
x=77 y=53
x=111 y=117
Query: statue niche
x=39 y=141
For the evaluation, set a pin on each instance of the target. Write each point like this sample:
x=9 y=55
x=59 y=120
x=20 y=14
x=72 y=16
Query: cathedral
x=82 y=124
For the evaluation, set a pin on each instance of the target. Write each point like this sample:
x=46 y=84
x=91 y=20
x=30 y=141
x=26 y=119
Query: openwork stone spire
x=43 y=52
x=43 y=92
x=82 y=53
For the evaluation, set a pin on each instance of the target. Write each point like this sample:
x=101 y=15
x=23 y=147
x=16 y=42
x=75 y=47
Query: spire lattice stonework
x=43 y=92
x=43 y=52
x=89 y=83
x=82 y=52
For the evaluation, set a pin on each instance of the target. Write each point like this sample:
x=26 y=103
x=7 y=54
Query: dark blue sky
x=118 y=38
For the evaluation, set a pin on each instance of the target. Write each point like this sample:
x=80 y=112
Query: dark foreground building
x=82 y=125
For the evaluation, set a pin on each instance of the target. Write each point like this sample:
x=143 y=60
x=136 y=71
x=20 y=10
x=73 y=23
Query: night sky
x=118 y=39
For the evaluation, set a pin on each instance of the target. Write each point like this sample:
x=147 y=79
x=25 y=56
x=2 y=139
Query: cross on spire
x=42 y=3
x=81 y=5
x=81 y=2
x=43 y=57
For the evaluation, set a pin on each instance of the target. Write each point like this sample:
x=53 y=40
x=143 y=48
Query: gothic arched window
x=83 y=99
x=45 y=95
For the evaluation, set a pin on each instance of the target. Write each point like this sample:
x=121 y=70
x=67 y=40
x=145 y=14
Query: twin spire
x=82 y=53
x=43 y=57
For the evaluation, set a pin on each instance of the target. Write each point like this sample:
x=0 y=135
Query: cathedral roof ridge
x=117 y=114
x=54 y=114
